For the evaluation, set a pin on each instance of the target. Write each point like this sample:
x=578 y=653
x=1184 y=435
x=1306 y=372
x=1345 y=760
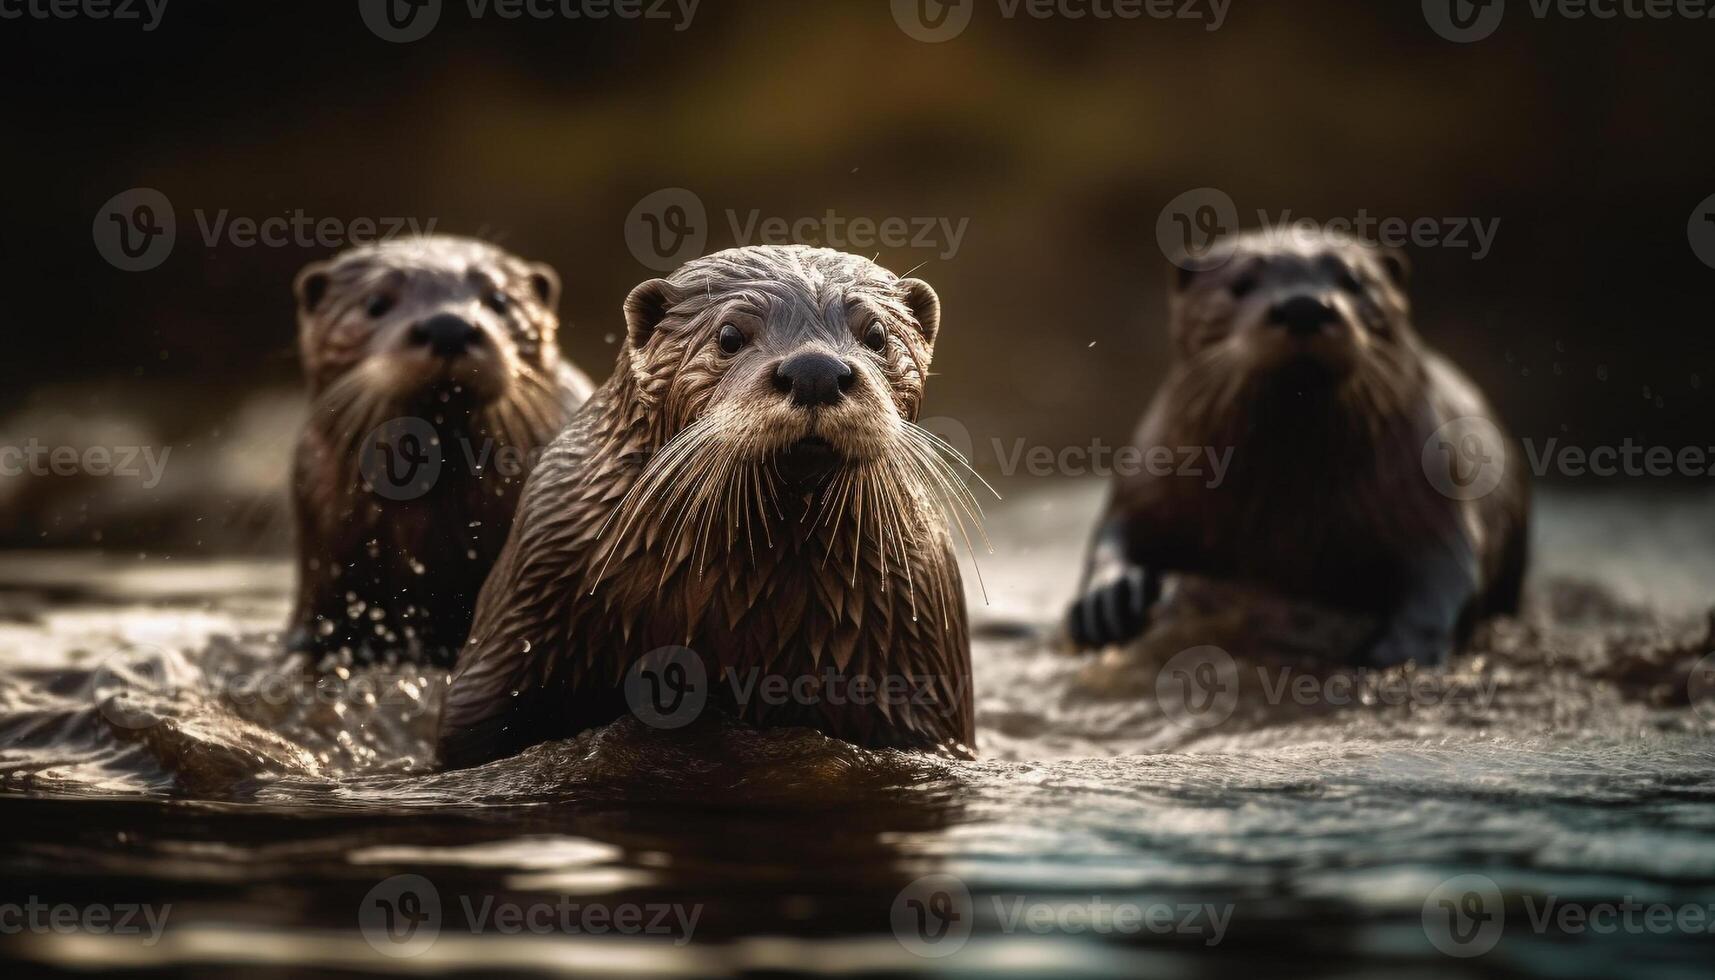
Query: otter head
x=800 y=360
x=1299 y=307
x=438 y=325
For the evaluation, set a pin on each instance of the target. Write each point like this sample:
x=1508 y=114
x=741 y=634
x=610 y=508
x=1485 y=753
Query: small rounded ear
x=311 y=286
x=545 y=284
x=646 y=307
x=924 y=305
x=1398 y=266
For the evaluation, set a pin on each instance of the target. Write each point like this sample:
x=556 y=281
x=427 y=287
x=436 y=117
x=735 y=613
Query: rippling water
x=154 y=752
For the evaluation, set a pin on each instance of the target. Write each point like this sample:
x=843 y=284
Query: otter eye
x=380 y=305
x=497 y=301
x=875 y=338
x=1243 y=287
x=732 y=339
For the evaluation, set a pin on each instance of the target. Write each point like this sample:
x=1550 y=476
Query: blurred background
x=1039 y=152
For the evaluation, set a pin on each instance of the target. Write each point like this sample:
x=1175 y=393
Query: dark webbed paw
x=1113 y=612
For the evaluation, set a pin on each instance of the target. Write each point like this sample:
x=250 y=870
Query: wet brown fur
x=381 y=577
x=661 y=517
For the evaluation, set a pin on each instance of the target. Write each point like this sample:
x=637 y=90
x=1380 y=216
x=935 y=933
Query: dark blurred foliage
x=1059 y=140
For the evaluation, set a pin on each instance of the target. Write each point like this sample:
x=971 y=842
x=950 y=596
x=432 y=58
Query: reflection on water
x=1283 y=818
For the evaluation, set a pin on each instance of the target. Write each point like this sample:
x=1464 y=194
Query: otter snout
x=1303 y=316
x=814 y=378
x=445 y=335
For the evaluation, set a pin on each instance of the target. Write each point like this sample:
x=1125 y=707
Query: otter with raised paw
x=1368 y=475
x=749 y=485
x=435 y=377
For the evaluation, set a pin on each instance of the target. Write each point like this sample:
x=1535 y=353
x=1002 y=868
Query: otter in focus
x=435 y=377
x=748 y=484
x=1296 y=351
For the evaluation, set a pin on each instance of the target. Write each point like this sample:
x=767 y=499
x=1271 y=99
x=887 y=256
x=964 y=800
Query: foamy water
x=154 y=751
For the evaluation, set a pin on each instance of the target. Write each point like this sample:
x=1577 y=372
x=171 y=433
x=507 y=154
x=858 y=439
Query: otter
x=749 y=487
x=1296 y=351
x=435 y=376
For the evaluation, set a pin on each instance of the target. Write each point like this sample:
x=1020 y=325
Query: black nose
x=814 y=379
x=1302 y=315
x=446 y=334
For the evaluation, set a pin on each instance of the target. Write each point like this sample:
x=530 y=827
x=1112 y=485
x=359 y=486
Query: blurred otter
x=1296 y=350
x=435 y=378
x=748 y=484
